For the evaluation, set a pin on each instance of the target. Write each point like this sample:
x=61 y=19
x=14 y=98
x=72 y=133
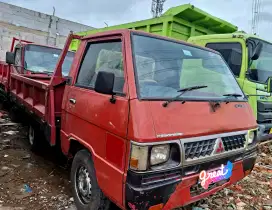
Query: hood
x=153 y=122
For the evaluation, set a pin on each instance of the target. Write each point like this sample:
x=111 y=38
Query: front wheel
x=86 y=192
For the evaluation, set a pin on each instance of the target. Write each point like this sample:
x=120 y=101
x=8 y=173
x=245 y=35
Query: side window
x=232 y=53
x=106 y=56
x=18 y=61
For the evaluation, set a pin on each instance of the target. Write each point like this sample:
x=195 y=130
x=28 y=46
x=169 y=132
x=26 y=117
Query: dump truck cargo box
x=181 y=22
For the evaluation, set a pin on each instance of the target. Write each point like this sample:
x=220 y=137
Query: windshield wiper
x=183 y=90
x=40 y=72
x=236 y=95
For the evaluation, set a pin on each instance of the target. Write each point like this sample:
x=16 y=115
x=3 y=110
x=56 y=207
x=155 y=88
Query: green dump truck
x=248 y=56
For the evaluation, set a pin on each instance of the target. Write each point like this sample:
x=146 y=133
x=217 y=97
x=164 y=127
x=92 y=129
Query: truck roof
x=227 y=36
x=36 y=44
x=19 y=42
x=123 y=31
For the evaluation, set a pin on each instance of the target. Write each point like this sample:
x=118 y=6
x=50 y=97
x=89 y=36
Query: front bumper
x=178 y=192
x=264 y=132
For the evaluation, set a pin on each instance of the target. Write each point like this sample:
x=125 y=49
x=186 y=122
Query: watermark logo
x=206 y=178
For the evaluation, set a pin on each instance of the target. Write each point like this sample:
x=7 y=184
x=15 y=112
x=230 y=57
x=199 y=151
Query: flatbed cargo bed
x=30 y=92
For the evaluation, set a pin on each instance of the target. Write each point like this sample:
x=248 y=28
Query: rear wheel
x=87 y=194
x=33 y=137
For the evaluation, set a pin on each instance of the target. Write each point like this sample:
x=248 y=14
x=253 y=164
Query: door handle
x=72 y=100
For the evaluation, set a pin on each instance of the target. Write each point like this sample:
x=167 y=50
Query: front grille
x=199 y=149
x=197 y=189
x=264 y=112
x=234 y=142
x=264 y=106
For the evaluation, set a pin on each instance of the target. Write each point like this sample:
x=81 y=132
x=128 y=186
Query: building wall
x=33 y=26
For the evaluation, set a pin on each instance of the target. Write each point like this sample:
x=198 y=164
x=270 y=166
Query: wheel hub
x=31 y=135
x=83 y=184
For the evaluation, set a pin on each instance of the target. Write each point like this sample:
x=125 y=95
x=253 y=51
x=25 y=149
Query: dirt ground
x=41 y=181
x=28 y=180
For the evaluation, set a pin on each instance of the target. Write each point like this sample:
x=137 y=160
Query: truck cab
x=34 y=60
x=156 y=116
x=30 y=58
x=250 y=59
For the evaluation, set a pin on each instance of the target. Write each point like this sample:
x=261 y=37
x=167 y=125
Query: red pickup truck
x=150 y=122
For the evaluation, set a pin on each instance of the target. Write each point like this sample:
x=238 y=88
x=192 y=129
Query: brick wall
x=33 y=26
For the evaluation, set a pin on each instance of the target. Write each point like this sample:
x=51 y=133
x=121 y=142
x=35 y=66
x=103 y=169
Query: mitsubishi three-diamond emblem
x=219 y=146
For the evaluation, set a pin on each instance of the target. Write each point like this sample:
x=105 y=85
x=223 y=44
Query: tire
x=33 y=137
x=86 y=192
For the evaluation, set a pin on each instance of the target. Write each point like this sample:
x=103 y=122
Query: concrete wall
x=33 y=26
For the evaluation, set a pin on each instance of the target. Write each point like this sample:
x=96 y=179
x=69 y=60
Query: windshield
x=41 y=59
x=164 y=67
x=261 y=68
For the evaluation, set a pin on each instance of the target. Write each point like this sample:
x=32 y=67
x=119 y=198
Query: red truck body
x=82 y=118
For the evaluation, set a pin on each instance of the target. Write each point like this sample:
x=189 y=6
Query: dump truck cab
x=36 y=59
x=250 y=59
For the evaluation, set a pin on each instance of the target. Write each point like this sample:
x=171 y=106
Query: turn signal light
x=138 y=157
x=134 y=163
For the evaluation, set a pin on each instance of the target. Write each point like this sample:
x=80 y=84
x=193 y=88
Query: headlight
x=148 y=157
x=159 y=154
x=250 y=136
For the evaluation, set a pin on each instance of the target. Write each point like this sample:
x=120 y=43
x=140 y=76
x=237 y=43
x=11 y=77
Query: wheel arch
x=76 y=145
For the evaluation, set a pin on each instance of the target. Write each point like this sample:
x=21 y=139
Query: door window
x=232 y=53
x=18 y=61
x=106 y=56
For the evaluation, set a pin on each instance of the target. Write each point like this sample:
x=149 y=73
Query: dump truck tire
x=33 y=137
x=86 y=192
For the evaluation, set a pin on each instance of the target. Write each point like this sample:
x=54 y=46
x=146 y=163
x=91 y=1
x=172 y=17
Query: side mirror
x=248 y=73
x=10 y=58
x=252 y=74
x=269 y=85
x=104 y=82
x=68 y=80
x=257 y=51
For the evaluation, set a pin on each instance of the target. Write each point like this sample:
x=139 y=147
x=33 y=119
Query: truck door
x=91 y=117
